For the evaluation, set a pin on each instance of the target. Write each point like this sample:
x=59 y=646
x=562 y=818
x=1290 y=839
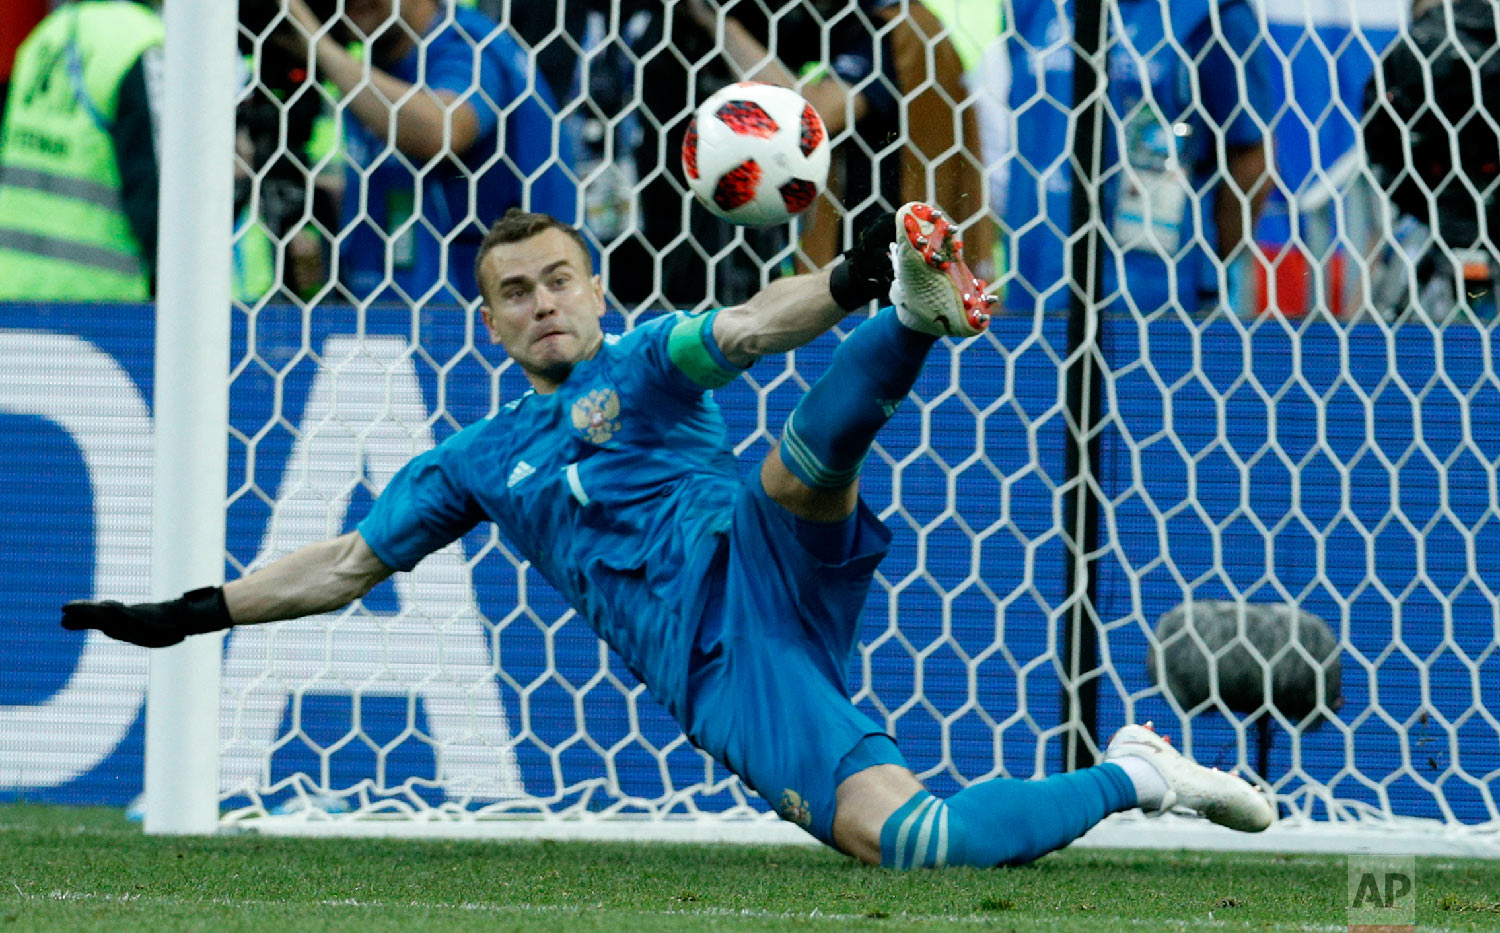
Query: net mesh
x=1305 y=421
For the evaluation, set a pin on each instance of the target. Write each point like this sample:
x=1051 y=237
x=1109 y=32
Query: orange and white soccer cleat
x=934 y=290
x=1222 y=797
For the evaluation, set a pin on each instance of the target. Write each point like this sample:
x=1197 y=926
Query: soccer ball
x=756 y=154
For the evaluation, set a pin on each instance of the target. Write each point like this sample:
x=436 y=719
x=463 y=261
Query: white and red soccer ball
x=756 y=154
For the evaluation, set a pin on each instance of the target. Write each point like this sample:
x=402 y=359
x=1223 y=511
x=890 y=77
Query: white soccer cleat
x=934 y=290
x=1222 y=797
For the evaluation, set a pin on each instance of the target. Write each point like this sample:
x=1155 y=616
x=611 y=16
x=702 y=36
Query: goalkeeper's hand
x=866 y=271
x=151 y=625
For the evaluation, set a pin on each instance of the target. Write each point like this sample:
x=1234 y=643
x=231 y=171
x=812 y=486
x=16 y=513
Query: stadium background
x=1323 y=517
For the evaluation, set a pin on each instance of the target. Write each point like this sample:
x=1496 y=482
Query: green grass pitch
x=89 y=869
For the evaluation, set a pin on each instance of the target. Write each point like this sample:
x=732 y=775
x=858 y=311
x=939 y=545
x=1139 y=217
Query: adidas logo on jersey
x=522 y=470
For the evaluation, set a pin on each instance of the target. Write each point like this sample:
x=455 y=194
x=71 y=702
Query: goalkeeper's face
x=543 y=304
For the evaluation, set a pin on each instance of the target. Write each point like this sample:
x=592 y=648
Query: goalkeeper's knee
x=1003 y=821
x=923 y=833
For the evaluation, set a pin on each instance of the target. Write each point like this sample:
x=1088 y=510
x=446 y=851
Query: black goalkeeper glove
x=152 y=625
x=865 y=272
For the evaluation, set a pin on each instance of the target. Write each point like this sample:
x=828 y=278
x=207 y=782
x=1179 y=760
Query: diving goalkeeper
x=736 y=601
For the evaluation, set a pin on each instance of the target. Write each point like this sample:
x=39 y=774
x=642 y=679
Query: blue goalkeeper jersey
x=615 y=487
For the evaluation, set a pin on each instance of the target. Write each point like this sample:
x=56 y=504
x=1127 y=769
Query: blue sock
x=924 y=833
x=1003 y=822
x=832 y=428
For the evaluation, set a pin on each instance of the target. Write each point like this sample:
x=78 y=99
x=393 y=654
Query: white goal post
x=191 y=404
x=1055 y=487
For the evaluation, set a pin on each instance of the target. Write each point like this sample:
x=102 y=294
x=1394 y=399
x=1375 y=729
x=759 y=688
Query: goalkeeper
x=736 y=601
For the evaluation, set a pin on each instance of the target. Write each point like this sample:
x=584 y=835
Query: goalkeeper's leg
x=885 y=816
x=767 y=696
x=814 y=470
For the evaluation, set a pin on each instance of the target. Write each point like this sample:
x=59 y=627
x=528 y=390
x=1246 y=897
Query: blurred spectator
x=890 y=69
x=555 y=32
x=78 y=167
x=669 y=261
x=995 y=122
x=587 y=50
x=1184 y=169
x=974 y=28
x=288 y=158
x=625 y=74
x=425 y=172
x=17 y=19
x=1435 y=147
x=253 y=270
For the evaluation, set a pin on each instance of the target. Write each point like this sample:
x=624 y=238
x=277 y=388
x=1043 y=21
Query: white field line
x=1203 y=923
x=79 y=830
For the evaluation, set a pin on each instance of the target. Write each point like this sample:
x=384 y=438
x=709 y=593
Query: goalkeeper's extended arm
x=792 y=311
x=318 y=578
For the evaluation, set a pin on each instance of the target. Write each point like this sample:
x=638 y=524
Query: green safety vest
x=972 y=26
x=64 y=235
x=253 y=271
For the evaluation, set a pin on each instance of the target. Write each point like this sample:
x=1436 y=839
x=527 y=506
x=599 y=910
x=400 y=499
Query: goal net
x=1222 y=389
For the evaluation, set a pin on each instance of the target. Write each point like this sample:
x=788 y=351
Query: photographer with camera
x=1429 y=133
x=442 y=130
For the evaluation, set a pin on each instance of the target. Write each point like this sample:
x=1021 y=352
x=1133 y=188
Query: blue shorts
x=767 y=693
